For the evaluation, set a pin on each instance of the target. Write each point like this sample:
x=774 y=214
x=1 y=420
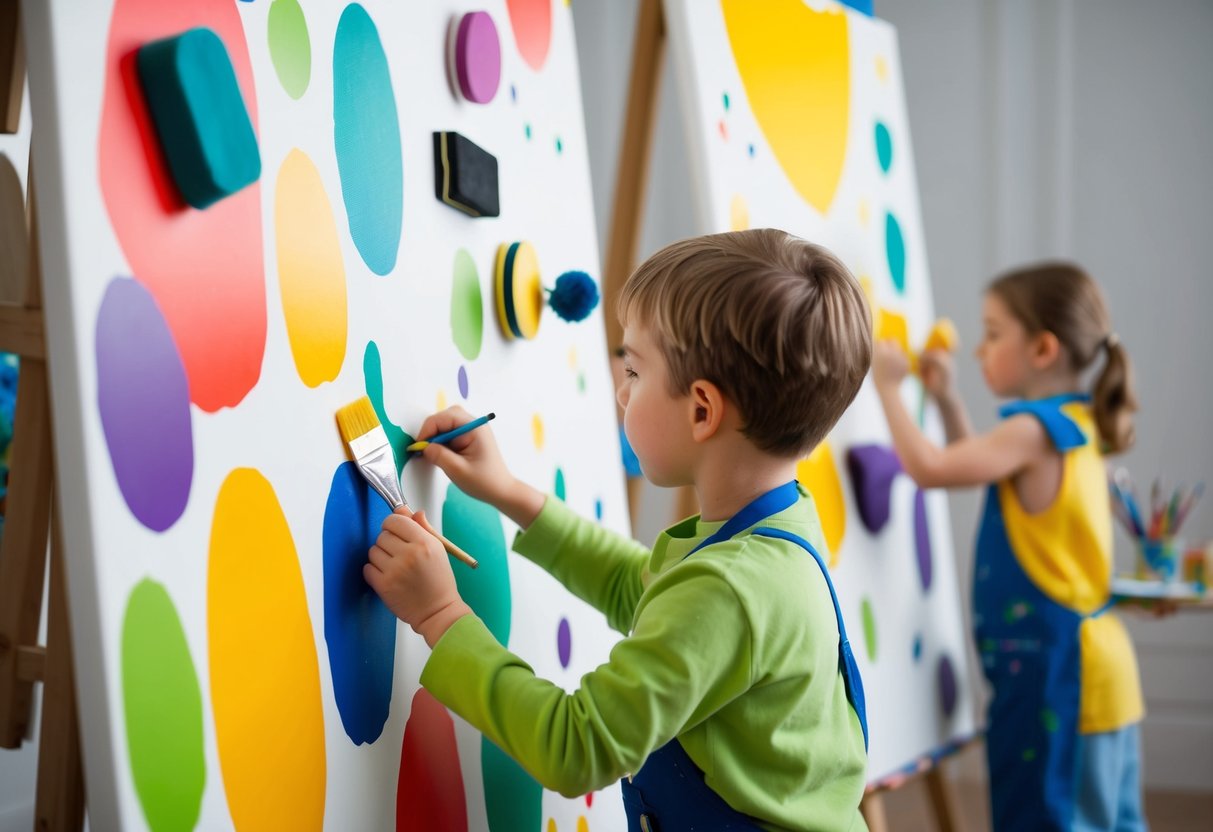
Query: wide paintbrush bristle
x=356 y=419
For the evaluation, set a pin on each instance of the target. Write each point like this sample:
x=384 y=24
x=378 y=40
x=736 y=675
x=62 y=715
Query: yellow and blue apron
x=669 y=793
x=1059 y=666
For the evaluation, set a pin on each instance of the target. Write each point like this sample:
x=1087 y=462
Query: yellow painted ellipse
x=819 y=475
x=795 y=65
x=311 y=275
x=264 y=674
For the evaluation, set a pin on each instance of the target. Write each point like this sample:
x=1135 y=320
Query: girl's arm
x=974 y=460
x=938 y=370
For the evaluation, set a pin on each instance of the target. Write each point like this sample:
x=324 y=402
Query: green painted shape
x=191 y=91
x=513 y=800
x=869 y=629
x=475 y=527
x=372 y=372
x=560 y=491
x=467 y=306
x=895 y=252
x=884 y=146
x=162 y=702
x=290 y=46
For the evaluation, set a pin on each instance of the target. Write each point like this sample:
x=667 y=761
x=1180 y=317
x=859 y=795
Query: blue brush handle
x=443 y=438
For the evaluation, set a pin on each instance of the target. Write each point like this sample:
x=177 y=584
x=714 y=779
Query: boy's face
x=657 y=424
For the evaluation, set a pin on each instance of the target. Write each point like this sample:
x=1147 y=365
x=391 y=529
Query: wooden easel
x=31 y=522
x=627 y=211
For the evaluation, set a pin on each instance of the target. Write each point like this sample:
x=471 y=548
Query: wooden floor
x=908 y=809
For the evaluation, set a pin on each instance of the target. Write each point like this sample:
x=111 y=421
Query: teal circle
x=884 y=146
x=895 y=250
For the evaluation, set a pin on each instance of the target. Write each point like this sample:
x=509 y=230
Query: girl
x=1062 y=738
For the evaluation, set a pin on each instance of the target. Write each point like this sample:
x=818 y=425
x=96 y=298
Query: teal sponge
x=195 y=103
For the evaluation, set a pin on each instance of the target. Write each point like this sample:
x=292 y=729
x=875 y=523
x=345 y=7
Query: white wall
x=1075 y=128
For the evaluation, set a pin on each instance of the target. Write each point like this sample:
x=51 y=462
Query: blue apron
x=669 y=793
x=1030 y=653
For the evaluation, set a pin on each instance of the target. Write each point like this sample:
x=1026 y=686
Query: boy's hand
x=890 y=365
x=410 y=572
x=938 y=369
x=474 y=463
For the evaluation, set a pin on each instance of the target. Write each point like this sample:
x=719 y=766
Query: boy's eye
x=628 y=371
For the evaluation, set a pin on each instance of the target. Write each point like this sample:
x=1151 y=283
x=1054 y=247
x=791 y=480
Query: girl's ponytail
x=1114 y=400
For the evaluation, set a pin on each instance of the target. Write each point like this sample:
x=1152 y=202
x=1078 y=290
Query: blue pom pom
x=575 y=296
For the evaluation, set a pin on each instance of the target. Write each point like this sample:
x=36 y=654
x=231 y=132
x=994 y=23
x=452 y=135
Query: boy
x=731 y=699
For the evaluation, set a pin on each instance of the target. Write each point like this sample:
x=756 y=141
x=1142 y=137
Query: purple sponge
x=873 y=469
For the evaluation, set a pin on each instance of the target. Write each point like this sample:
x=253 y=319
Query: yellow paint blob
x=893 y=326
x=440 y=400
x=869 y=292
x=865 y=212
x=819 y=475
x=795 y=65
x=583 y=825
x=739 y=214
x=264 y=675
x=311 y=275
x=537 y=431
x=882 y=69
x=572 y=358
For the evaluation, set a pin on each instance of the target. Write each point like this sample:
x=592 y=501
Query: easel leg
x=872 y=809
x=60 y=801
x=942 y=799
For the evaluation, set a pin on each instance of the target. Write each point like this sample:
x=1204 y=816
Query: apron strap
x=759 y=509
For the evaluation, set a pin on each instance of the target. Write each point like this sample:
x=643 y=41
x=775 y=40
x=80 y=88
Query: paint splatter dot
x=589 y=800
x=527 y=129
x=475 y=527
x=264 y=674
x=884 y=146
x=163 y=706
x=819 y=475
x=559 y=488
x=359 y=630
x=583 y=825
x=768 y=41
x=551 y=824
x=752 y=150
x=462 y=381
x=917 y=647
x=1050 y=720
x=467 y=306
x=537 y=431
x=429 y=791
x=564 y=642
x=869 y=628
x=581 y=382
x=372 y=373
x=865 y=212
x=598 y=509
x=144 y=399
x=212 y=297
x=947 y=686
x=882 y=69
x=311 y=273
x=739 y=213
x=895 y=251
x=290 y=47
x=513 y=93
x=440 y=402
x=724 y=129
x=725 y=97
x=572 y=358
x=922 y=540
x=366 y=135
x=559 y=145
x=531 y=21
x=512 y=798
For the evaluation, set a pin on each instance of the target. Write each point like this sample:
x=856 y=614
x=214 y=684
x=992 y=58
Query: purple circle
x=478 y=57
x=144 y=398
x=564 y=642
x=922 y=540
x=463 y=382
x=947 y=686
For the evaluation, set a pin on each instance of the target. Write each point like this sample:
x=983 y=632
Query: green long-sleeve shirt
x=733 y=651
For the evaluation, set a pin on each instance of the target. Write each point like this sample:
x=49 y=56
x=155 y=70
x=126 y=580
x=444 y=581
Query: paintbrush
x=443 y=438
x=360 y=428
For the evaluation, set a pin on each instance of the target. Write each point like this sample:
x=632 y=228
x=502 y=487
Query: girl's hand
x=410 y=572
x=474 y=463
x=890 y=365
x=938 y=369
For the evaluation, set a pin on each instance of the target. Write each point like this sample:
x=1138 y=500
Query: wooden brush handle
x=451 y=548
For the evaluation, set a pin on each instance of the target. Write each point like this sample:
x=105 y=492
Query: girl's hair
x=1062 y=299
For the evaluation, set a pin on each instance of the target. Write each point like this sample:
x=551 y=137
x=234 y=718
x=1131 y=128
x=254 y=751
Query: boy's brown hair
x=778 y=324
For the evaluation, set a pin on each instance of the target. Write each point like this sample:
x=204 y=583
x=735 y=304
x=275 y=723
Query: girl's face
x=1006 y=350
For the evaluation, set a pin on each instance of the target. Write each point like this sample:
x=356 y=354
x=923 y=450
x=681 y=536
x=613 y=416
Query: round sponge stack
x=519 y=290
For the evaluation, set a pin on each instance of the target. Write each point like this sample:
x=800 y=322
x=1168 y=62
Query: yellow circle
x=583 y=825
x=537 y=431
x=441 y=400
x=551 y=824
x=528 y=290
x=819 y=475
x=739 y=214
x=572 y=358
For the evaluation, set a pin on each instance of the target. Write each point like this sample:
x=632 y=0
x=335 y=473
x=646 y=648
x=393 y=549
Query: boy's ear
x=1046 y=349
x=707 y=409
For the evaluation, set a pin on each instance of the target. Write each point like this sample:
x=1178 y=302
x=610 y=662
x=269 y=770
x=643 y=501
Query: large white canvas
x=285 y=429
x=739 y=181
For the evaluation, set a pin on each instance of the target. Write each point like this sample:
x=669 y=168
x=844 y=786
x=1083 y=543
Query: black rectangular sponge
x=465 y=175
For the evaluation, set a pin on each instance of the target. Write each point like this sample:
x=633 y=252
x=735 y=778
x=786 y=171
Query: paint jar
x=1197 y=564
x=1158 y=556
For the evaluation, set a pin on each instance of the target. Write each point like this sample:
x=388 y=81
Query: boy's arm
x=599 y=566
x=689 y=656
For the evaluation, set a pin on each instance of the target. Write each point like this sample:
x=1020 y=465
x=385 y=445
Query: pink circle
x=478 y=57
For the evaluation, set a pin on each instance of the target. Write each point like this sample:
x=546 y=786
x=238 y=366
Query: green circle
x=467 y=306
x=162 y=704
x=290 y=47
x=869 y=629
